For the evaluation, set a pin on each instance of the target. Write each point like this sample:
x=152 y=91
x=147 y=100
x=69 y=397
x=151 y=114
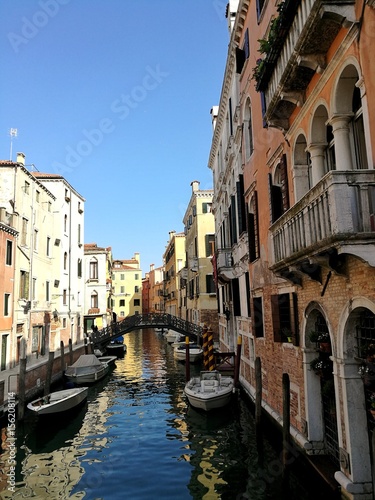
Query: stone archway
x=320 y=385
x=358 y=425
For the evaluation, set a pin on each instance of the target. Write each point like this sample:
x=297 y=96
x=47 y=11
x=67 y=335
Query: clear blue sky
x=115 y=95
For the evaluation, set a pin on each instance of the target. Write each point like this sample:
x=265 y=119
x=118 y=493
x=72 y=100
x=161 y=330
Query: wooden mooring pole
x=286 y=421
x=70 y=352
x=47 y=386
x=22 y=382
x=62 y=359
x=187 y=359
x=258 y=394
x=237 y=362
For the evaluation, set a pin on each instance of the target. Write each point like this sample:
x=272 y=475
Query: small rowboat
x=59 y=401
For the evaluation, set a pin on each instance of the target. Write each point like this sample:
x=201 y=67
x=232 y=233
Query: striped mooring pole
x=211 y=358
x=205 y=347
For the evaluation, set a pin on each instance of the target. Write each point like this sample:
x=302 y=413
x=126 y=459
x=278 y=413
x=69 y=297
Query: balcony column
x=341 y=133
x=317 y=162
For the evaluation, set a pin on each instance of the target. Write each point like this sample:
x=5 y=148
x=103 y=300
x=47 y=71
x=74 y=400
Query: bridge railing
x=140 y=321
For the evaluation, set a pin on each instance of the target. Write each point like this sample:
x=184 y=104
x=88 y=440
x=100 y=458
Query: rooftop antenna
x=13 y=133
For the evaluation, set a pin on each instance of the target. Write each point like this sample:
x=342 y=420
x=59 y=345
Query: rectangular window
x=7 y=304
x=210 y=245
x=122 y=277
x=48 y=296
x=24 y=232
x=79 y=268
x=206 y=208
x=210 y=284
x=37 y=196
x=27 y=187
x=79 y=234
x=64 y=297
x=9 y=253
x=258 y=317
x=136 y=289
x=93 y=270
x=137 y=302
x=136 y=277
x=48 y=247
x=122 y=303
x=122 y=289
x=34 y=294
x=35 y=240
x=49 y=206
x=284 y=317
x=24 y=285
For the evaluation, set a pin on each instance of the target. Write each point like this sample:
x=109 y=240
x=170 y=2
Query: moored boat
x=116 y=347
x=195 y=352
x=172 y=336
x=209 y=391
x=59 y=401
x=87 y=370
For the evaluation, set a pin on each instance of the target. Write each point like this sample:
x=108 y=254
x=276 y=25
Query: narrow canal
x=136 y=438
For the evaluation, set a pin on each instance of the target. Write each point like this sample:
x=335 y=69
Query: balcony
x=336 y=217
x=304 y=37
x=224 y=265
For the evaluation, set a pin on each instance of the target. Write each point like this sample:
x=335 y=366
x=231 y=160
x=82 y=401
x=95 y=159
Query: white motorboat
x=209 y=391
x=110 y=360
x=87 y=370
x=59 y=401
x=195 y=352
x=172 y=336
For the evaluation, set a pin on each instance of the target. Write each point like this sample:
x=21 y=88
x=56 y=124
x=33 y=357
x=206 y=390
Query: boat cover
x=84 y=364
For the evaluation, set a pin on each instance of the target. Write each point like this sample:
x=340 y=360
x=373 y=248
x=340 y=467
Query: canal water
x=137 y=438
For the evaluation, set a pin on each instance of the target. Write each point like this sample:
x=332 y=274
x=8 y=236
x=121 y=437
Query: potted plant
x=321 y=366
x=322 y=340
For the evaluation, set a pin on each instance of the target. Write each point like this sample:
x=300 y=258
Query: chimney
x=171 y=234
x=137 y=258
x=214 y=112
x=21 y=158
x=195 y=186
x=152 y=267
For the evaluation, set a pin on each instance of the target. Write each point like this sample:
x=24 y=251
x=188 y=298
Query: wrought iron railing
x=142 y=321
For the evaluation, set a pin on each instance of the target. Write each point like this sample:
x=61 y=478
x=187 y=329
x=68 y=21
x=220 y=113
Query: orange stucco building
x=293 y=156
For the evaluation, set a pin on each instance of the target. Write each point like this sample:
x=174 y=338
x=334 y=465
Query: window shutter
x=246 y=46
x=241 y=205
x=275 y=318
x=240 y=60
x=233 y=220
x=284 y=184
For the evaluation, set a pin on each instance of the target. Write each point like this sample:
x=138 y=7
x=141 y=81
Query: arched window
x=65 y=261
x=94 y=299
x=65 y=223
x=79 y=268
x=93 y=269
x=253 y=228
x=302 y=168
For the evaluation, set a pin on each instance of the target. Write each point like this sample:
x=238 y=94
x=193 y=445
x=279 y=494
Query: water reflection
x=137 y=438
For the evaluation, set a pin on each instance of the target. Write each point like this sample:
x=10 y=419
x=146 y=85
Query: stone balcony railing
x=339 y=212
x=224 y=264
x=285 y=78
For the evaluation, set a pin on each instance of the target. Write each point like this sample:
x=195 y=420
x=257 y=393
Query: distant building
x=146 y=294
x=98 y=286
x=127 y=287
x=198 y=303
x=8 y=240
x=174 y=260
x=156 y=289
x=27 y=205
x=67 y=239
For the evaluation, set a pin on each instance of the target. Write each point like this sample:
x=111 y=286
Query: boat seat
x=209 y=385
